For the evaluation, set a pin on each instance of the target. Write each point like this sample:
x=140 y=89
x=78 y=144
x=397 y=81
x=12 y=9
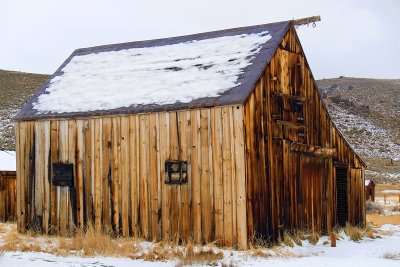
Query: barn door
x=311 y=193
x=341 y=194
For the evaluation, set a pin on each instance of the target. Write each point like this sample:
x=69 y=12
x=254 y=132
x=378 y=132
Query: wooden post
x=384 y=199
x=333 y=239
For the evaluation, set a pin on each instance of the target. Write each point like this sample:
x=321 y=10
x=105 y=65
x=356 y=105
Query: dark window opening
x=176 y=172
x=63 y=174
x=296 y=105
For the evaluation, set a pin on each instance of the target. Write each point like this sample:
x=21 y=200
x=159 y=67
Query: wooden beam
x=300 y=98
x=316 y=151
x=307 y=20
x=291 y=124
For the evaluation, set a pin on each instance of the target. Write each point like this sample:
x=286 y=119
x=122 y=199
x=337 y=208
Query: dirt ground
x=381 y=195
x=380 y=220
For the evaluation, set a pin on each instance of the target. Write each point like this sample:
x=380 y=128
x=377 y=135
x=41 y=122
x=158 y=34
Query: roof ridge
x=192 y=36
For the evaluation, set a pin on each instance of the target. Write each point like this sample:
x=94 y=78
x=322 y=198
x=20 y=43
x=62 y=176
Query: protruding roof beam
x=307 y=20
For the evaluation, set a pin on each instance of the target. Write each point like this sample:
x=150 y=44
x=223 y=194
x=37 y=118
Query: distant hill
x=366 y=111
x=16 y=88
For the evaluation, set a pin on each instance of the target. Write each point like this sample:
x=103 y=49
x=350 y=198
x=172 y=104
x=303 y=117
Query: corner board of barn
x=276 y=162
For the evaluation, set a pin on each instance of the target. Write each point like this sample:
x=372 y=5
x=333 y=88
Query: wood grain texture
x=299 y=174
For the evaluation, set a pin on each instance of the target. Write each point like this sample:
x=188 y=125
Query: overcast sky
x=358 y=38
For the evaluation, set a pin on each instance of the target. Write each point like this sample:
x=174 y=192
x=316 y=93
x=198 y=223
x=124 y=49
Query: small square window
x=63 y=174
x=176 y=172
x=296 y=105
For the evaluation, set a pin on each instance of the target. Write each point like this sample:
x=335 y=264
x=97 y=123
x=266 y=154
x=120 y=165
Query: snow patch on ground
x=33 y=259
x=7 y=161
x=151 y=75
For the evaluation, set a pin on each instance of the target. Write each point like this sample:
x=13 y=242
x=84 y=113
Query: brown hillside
x=367 y=111
x=16 y=88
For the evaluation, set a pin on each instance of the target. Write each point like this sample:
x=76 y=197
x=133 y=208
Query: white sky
x=359 y=38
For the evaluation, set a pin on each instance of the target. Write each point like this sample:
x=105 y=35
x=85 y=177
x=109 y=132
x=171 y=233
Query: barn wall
x=119 y=175
x=8 y=196
x=291 y=178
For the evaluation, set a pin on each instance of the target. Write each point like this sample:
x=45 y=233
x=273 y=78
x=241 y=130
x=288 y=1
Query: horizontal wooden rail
x=316 y=151
x=291 y=124
x=300 y=98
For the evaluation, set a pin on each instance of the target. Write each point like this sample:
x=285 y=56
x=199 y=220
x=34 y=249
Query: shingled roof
x=125 y=78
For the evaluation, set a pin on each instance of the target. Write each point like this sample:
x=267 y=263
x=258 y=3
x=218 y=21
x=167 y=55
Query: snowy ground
x=384 y=251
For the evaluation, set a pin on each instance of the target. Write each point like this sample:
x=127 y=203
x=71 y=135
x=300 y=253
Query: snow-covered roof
x=202 y=70
x=7 y=161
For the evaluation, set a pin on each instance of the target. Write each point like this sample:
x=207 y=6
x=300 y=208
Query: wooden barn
x=370 y=190
x=219 y=136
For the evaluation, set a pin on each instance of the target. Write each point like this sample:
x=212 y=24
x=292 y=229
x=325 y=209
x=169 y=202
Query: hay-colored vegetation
x=91 y=242
x=391 y=256
x=373 y=208
x=358 y=233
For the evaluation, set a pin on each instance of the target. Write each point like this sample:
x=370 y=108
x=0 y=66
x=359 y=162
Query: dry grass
x=356 y=233
x=395 y=208
x=392 y=256
x=200 y=255
x=373 y=207
x=91 y=243
x=276 y=251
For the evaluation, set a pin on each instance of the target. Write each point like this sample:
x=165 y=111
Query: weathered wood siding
x=291 y=178
x=8 y=196
x=119 y=175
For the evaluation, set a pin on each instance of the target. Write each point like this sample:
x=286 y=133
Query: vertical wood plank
x=164 y=155
x=63 y=191
x=53 y=159
x=218 y=177
x=47 y=179
x=144 y=176
x=133 y=171
x=196 y=172
x=153 y=174
x=80 y=193
x=106 y=141
x=227 y=176
x=97 y=178
x=115 y=211
x=205 y=177
x=71 y=149
x=125 y=175
x=240 y=163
